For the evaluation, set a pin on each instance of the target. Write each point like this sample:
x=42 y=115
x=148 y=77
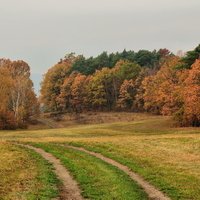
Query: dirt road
x=153 y=192
x=70 y=190
x=70 y=187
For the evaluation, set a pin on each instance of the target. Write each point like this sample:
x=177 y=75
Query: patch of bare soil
x=70 y=190
x=153 y=192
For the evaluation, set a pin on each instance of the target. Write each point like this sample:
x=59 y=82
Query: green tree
x=126 y=70
x=190 y=58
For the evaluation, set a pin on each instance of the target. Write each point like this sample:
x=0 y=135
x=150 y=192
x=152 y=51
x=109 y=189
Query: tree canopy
x=145 y=81
x=18 y=101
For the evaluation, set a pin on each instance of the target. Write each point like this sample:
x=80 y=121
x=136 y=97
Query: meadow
x=165 y=155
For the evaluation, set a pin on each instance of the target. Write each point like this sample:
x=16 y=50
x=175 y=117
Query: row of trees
x=174 y=92
x=144 y=58
x=18 y=101
x=64 y=88
x=166 y=84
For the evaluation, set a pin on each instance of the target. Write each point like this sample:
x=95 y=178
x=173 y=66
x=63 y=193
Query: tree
x=22 y=98
x=143 y=58
x=102 y=61
x=77 y=92
x=98 y=88
x=164 y=53
x=18 y=68
x=51 y=84
x=7 y=120
x=139 y=97
x=65 y=96
x=6 y=82
x=191 y=110
x=17 y=96
x=126 y=94
x=190 y=58
x=126 y=70
x=163 y=90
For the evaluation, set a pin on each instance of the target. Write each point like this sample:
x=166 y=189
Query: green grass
x=25 y=175
x=167 y=156
x=173 y=170
x=96 y=178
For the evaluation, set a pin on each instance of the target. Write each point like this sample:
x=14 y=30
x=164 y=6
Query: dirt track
x=70 y=190
x=70 y=187
x=153 y=193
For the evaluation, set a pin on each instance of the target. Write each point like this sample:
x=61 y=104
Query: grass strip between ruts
x=170 y=180
x=97 y=179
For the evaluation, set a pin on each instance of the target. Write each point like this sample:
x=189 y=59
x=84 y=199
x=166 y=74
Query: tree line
x=158 y=82
x=18 y=101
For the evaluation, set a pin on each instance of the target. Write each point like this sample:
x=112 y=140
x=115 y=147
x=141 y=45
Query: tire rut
x=70 y=189
x=151 y=190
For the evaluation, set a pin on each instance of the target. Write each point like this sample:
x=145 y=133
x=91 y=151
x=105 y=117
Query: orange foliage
x=17 y=99
x=126 y=94
x=191 y=93
x=163 y=91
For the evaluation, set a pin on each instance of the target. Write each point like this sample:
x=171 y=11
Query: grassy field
x=97 y=179
x=25 y=175
x=166 y=156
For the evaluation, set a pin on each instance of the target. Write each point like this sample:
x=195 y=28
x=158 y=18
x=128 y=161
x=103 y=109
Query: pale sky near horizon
x=41 y=32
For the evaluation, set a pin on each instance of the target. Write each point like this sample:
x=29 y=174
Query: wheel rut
x=151 y=190
x=70 y=189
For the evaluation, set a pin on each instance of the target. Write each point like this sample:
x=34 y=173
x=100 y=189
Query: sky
x=41 y=32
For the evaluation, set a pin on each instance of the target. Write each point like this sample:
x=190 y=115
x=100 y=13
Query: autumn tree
x=21 y=96
x=163 y=90
x=126 y=94
x=65 y=96
x=51 y=84
x=191 y=110
x=98 y=89
x=6 y=82
x=138 y=104
x=78 y=92
x=17 y=99
x=164 y=53
x=7 y=120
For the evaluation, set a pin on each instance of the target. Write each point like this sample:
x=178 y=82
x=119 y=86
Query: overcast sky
x=40 y=32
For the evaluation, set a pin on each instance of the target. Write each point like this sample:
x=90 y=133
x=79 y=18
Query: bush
x=7 y=120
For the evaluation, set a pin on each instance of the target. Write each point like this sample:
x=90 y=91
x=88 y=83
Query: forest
x=157 y=82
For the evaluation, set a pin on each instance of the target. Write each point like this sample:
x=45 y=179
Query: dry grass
x=167 y=156
x=70 y=119
x=17 y=172
x=25 y=174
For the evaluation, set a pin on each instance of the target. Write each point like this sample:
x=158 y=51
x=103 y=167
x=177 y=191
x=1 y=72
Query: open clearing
x=167 y=157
